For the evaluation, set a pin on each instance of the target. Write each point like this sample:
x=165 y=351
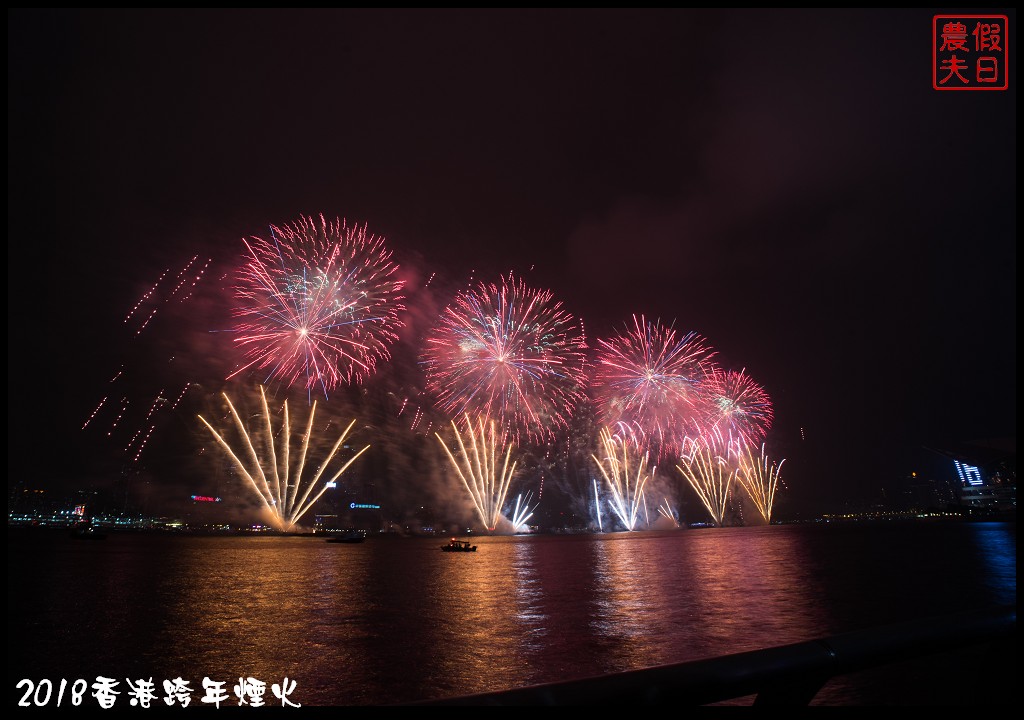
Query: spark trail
x=759 y=477
x=281 y=488
x=625 y=477
x=521 y=513
x=666 y=511
x=485 y=475
x=709 y=473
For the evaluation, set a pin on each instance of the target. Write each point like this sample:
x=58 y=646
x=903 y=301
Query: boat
x=353 y=536
x=85 y=531
x=458 y=546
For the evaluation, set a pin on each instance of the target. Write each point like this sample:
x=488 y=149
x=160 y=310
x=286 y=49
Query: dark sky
x=786 y=183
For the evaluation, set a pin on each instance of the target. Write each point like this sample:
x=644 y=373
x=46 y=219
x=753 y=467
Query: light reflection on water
x=997 y=552
x=395 y=620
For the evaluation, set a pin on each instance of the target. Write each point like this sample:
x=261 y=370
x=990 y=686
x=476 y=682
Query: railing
x=785 y=675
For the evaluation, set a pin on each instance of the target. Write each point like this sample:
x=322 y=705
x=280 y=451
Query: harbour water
x=394 y=620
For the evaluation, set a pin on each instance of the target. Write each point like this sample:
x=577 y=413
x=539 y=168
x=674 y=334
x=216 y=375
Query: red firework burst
x=655 y=379
x=739 y=407
x=509 y=352
x=318 y=304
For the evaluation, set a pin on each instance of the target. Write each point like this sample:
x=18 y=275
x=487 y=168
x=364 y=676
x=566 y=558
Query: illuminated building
x=980 y=491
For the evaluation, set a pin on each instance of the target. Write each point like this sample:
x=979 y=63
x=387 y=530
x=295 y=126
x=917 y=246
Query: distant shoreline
x=27 y=528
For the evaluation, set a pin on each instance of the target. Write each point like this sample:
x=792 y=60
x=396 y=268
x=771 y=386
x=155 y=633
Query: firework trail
x=521 y=513
x=135 y=378
x=484 y=474
x=282 y=489
x=759 y=477
x=158 y=404
x=191 y=272
x=666 y=511
x=739 y=407
x=624 y=477
x=142 y=445
x=93 y=413
x=511 y=353
x=706 y=467
x=655 y=379
x=120 y=414
x=318 y=304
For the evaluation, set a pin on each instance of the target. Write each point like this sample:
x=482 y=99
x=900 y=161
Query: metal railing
x=786 y=675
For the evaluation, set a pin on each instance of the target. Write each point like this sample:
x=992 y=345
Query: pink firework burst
x=318 y=303
x=655 y=379
x=510 y=352
x=739 y=407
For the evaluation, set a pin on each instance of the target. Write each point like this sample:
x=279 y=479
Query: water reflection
x=561 y=643
x=269 y=608
x=395 y=620
x=480 y=632
x=629 y=614
x=996 y=546
x=526 y=585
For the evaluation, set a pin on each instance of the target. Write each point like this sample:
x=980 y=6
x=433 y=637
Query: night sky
x=788 y=184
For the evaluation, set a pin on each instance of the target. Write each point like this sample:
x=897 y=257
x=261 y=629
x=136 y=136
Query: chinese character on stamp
x=969 y=52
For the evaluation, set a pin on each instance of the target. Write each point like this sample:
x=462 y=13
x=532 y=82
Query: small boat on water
x=458 y=546
x=354 y=536
x=85 y=531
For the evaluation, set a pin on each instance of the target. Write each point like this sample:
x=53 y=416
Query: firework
x=759 y=477
x=128 y=408
x=739 y=407
x=511 y=353
x=146 y=306
x=318 y=304
x=654 y=379
x=481 y=468
x=624 y=476
x=93 y=413
x=521 y=513
x=281 y=488
x=705 y=467
x=666 y=511
x=160 y=402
